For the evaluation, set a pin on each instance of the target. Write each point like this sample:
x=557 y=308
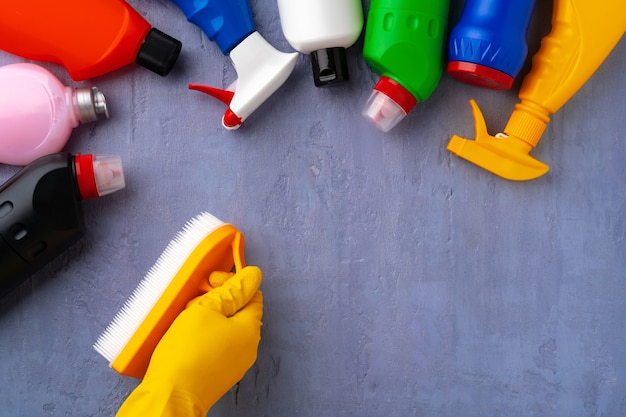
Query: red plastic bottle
x=88 y=38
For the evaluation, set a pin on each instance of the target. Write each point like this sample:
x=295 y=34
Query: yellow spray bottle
x=584 y=32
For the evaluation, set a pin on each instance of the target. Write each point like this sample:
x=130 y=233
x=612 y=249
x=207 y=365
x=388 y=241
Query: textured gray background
x=399 y=280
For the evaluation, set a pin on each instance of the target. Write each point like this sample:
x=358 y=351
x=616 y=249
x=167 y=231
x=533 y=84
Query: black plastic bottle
x=40 y=210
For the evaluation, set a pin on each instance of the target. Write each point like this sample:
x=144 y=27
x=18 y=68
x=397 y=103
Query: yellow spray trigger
x=504 y=155
x=583 y=34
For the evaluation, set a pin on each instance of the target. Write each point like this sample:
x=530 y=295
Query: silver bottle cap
x=91 y=104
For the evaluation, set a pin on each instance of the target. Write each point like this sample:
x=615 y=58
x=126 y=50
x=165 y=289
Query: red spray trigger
x=225 y=96
x=230 y=120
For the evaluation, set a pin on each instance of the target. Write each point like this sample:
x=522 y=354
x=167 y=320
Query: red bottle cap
x=395 y=91
x=388 y=104
x=98 y=175
x=480 y=75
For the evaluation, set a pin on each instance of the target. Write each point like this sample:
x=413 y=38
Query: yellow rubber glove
x=205 y=352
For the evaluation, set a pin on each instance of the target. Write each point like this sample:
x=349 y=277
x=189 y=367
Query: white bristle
x=127 y=320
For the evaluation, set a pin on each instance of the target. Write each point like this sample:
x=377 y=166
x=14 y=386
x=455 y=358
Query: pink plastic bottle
x=38 y=112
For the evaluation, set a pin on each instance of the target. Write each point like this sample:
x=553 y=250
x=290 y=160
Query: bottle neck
x=89 y=104
x=98 y=175
x=329 y=66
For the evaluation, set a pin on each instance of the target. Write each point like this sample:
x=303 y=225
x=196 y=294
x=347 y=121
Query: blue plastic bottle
x=224 y=22
x=488 y=46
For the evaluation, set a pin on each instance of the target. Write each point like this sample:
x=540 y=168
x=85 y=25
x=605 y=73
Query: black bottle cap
x=329 y=66
x=159 y=52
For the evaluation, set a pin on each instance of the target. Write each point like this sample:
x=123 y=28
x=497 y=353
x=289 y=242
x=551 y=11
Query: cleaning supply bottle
x=583 y=34
x=324 y=29
x=40 y=211
x=39 y=112
x=404 y=42
x=487 y=47
x=261 y=69
x=88 y=38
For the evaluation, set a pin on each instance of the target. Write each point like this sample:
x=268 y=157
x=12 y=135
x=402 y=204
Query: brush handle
x=218 y=278
x=238 y=243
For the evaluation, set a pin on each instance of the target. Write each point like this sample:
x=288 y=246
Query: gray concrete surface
x=399 y=280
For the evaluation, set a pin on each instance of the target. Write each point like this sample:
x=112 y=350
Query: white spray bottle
x=261 y=68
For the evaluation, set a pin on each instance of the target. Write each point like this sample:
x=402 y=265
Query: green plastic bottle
x=405 y=44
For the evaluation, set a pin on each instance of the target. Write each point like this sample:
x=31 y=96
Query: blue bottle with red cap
x=487 y=47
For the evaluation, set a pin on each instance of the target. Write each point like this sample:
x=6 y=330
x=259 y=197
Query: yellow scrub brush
x=206 y=244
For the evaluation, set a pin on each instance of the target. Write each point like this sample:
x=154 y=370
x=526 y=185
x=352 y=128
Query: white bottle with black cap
x=324 y=29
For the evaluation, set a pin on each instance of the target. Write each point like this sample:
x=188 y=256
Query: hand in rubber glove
x=205 y=352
